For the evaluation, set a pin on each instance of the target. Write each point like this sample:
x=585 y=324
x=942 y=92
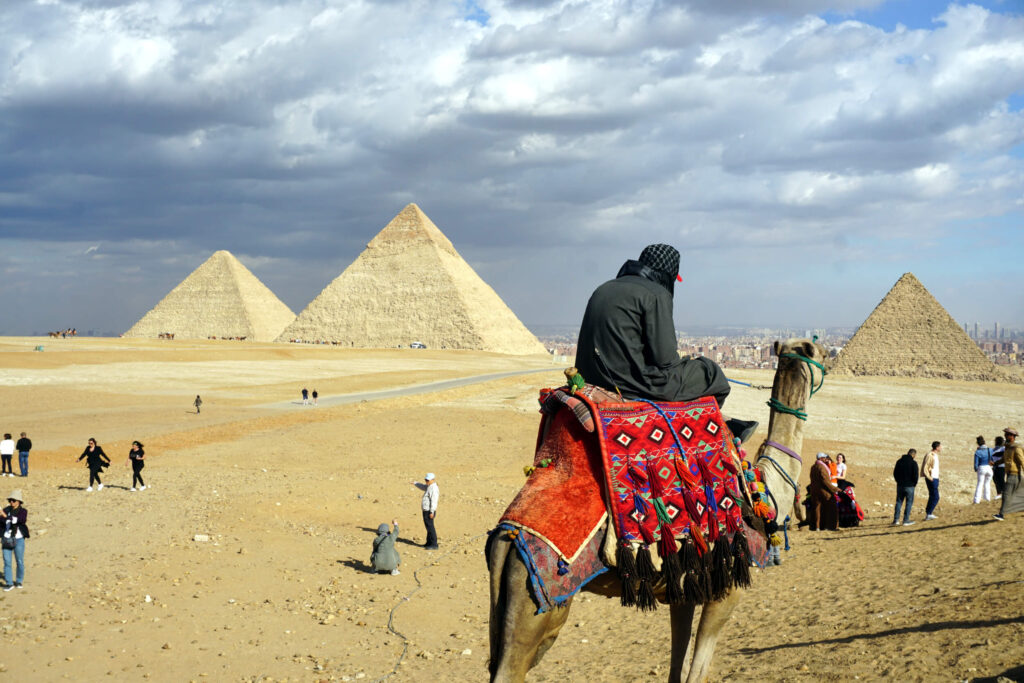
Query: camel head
x=802 y=347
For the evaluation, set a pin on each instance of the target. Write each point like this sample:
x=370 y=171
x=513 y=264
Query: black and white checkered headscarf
x=661 y=257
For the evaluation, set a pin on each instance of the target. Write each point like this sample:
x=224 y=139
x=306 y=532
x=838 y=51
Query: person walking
x=1013 y=489
x=136 y=457
x=824 y=513
x=23 y=447
x=315 y=395
x=14 y=520
x=930 y=472
x=305 y=396
x=6 y=454
x=906 y=475
x=429 y=505
x=96 y=460
x=998 y=466
x=983 y=468
x=384 y=558
x=197 y=403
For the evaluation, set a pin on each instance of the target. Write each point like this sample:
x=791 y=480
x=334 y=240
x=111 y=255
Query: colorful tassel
x=563 y=568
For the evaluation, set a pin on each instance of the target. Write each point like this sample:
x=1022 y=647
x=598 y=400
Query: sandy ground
x=289 y=496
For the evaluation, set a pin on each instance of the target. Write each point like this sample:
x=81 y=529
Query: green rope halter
x=799 y=413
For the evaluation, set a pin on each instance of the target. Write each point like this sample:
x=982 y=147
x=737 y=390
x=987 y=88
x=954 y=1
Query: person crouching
x=384 y=559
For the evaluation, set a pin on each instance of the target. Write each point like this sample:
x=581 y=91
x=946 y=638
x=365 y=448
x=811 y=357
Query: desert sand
x=289 y=495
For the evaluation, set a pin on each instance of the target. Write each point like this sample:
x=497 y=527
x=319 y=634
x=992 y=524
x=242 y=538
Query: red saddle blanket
x=632 y=466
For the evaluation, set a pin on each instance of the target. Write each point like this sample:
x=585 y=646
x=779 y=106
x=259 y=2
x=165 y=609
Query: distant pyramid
x=410 y=284
x=910 y=334
x=220 y=298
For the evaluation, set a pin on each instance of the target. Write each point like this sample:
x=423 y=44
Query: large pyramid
x=410 y=284
x=910 y=334
x=220 y=298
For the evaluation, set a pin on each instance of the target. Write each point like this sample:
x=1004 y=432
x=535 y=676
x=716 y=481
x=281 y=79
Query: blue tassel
x=709 y=494
x=563 y=568
x=785 y=531
x=639 y=504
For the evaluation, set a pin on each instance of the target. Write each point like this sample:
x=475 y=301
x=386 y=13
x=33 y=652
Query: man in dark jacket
x=823 y=510
x=23 y=447
x=627 y=341
x=906 y=475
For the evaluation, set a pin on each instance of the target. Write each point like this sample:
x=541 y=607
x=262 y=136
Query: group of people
x=97 y=461
x=828 y=478
x=8 y=447
x=306 y=396
x=1002 y=465
x=384 y=557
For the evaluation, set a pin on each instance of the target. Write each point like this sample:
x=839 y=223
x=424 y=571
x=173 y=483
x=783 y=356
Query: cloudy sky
x=802 y=156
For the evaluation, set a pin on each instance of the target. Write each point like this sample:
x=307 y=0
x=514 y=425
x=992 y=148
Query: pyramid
x=220 y=298
x=910 y=334
x=410 y=284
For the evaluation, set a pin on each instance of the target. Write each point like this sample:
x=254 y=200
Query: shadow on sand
x=905 y=630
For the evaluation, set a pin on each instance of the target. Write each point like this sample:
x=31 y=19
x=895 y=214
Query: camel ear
x=807 y=349
x=776 y=347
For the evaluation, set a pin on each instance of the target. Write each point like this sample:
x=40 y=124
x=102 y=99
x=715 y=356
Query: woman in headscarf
x=384 y=558
x=96 y=460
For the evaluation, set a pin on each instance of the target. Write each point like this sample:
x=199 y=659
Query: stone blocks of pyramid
x=910 y=334
x=220 y=298
x=410 y=284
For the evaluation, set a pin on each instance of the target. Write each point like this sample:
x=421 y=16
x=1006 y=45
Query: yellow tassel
x=775 y=540
x=528 y=470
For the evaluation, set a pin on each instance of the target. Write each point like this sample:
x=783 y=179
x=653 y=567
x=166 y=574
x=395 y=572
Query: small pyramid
x=910 y=334
x=410 y=284
x=220 y=298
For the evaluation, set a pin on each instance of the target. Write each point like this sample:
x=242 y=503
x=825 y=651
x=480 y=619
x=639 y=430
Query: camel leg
x=682 y=626
x=712 y=619
x=519 y=636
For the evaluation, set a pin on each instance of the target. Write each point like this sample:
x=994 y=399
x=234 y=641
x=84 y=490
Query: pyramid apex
x=409 y=228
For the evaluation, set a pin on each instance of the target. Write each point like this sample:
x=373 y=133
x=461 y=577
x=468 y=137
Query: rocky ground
x=246 y=558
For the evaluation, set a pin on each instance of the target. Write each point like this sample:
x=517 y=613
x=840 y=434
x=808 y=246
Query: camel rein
x=799 y=413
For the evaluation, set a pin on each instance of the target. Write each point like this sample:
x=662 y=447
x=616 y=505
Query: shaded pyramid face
x=910 y=334
x=220 y=298
x=410 y=284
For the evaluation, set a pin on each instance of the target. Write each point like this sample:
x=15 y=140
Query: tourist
x=23 y=447
x=1013 y=491
x=906 y=476
x=6 y=454
x=198 y=402
x=840 y=466
x=96 y=461
x=627 y=340
x=429 y=506
x=930 y=472
x=305 y=396
x=315 y=395
x=833 y=470
x=384 y=558
x=14 y=519
x=136 y=456
x=998 y=466
x=983 y=468
x=824 y=513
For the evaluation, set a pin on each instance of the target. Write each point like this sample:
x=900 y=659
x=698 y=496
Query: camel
x=519 y=637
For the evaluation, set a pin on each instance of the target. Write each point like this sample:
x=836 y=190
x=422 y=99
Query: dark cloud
x=290 y=133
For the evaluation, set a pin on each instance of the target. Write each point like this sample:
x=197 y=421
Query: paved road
x=410 y=390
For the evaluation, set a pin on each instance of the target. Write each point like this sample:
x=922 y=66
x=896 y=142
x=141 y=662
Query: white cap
x=822 y=455
x=430 y=475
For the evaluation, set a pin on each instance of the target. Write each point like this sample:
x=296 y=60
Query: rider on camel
x=627 y=340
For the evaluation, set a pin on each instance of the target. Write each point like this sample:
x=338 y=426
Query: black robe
x=627 y=341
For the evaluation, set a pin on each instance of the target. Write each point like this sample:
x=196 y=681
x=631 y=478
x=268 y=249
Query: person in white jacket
x=429 y=505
